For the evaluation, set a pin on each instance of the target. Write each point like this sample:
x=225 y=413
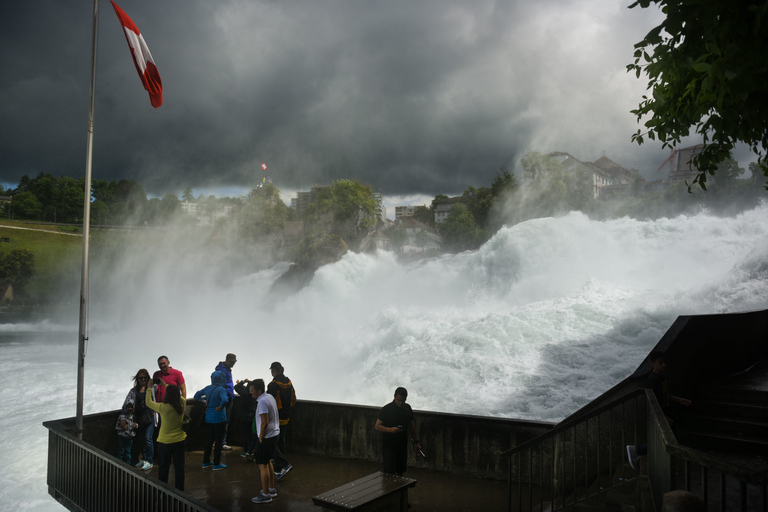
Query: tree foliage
x=262 y=215
x=459 y=231
x=707 y=65
x=17 y=267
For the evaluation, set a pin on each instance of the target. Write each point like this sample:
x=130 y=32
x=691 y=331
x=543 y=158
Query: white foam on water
x=543 y=318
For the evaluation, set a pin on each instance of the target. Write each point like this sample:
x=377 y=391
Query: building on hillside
x=443 y=208
x=303 y=199
x=403 y=212
x=604 y=174
x=419 y=236
x=381 y=210
x=204 y=214
x=681 y=169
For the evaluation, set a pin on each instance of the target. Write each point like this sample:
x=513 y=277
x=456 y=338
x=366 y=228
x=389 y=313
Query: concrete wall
x=453 y=443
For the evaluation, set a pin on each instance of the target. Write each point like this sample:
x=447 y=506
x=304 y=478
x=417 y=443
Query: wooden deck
x=231 y=489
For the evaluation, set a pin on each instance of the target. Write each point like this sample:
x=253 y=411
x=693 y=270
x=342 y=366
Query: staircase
x=730 y=416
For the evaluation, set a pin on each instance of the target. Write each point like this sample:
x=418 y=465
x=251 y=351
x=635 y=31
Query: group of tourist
x=160 y=403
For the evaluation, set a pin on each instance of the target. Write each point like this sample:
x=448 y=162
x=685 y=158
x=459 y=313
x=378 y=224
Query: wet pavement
x=231 y=489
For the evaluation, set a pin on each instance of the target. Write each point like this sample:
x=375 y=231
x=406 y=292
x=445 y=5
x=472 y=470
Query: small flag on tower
x=263 y=166
x=148 y=74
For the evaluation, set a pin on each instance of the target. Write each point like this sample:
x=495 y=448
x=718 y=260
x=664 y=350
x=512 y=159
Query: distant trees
x=263 y=214
x=17 y=267
x=460 y=230
x=478 y=216
x=50 y=199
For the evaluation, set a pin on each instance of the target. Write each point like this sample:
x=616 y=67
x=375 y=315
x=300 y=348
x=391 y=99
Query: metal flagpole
x=83 y=331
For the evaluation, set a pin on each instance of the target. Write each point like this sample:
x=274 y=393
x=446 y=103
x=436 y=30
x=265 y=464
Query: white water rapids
x=543 y=318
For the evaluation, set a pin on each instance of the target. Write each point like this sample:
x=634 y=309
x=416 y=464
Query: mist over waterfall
x=543 y=318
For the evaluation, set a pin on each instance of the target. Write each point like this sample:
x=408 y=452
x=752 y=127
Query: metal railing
x=83 y=478
x=579 y=459
x=721 y=483
x=584 y=458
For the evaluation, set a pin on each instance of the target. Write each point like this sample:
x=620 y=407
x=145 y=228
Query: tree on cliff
x=262 y=215
x=346 y=208
x=707 y=65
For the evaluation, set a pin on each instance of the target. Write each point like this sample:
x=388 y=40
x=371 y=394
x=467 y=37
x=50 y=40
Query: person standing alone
x=395 y=422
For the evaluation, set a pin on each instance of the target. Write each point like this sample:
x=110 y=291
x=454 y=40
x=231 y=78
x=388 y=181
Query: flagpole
x=83 y=330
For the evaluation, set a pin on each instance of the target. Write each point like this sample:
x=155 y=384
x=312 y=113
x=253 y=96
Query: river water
x=543 y=318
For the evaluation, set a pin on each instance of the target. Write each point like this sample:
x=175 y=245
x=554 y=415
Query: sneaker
x=219 y=466
x=226 y=448
x=140 y=464
x=272 y=493
x=207 y=464
x=280 y=474
x=262 y=498
x=244 y=455
x=147 y=466
x=632 y=455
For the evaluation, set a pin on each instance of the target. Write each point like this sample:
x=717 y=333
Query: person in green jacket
x=172 y=440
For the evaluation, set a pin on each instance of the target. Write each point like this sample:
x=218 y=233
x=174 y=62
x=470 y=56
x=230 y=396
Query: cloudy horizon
x=412 y=98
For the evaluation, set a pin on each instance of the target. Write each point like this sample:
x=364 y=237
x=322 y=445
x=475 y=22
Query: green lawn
x=57 y=255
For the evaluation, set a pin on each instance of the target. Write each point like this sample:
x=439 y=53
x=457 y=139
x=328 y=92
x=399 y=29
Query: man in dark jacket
x=225 y=367
x=396 y=423
x=282 y=389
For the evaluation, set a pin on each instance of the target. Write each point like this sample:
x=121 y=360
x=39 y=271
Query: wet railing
x=579 y=459
x=83 y=478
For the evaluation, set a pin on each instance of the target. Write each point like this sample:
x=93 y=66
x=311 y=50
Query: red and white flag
x=263 y=166
x=141 y=58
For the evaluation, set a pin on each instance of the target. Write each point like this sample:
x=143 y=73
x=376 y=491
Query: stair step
x=726 y=441
x=724 y=424
x=713 y=407
x=733 y=394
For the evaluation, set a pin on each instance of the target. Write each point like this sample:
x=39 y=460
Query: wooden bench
x=376 y=492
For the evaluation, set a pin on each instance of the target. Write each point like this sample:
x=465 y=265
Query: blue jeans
x=124 y=445
x=175 y=452
x=148 y=450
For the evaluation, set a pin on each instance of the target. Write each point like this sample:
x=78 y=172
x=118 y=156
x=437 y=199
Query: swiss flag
x=141 y=58
x=263 y=166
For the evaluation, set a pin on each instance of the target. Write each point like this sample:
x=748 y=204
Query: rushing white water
x=546 y=316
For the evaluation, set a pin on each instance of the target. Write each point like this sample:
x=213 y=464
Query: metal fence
x=584 y=459
x=578 y=460
x=83 y=478
x=721 y=483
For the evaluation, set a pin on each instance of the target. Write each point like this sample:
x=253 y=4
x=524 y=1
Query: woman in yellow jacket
x=172 y=440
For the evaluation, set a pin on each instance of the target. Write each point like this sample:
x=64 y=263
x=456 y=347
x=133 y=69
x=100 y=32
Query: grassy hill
x=57 y=249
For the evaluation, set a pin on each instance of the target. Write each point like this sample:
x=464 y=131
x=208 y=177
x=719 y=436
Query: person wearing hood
x=216 y=399
x=225 y=367
x=126 y=430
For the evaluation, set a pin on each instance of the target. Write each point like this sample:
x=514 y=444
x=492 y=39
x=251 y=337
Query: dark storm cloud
x=411 y=97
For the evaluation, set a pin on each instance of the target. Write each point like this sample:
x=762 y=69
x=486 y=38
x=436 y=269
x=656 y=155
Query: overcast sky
x=411 y=97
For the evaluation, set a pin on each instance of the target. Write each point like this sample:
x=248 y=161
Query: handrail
x=82 y=477
x=560 y=427
x=578 y=459
x=710 y=461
